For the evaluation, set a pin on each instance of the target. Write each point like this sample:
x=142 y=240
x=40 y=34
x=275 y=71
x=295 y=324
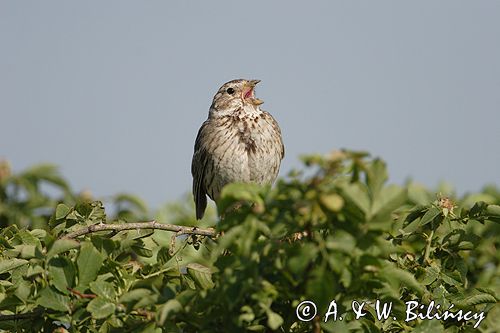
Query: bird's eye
x=230 y=91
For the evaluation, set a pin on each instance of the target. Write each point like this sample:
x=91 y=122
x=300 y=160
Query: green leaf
x=320 y=287
x=425 y=326
x=100 y=308
x=476 y=300
x=135 y=201
x=493 y=210
x=478 y=208
x=389 y=198
x=28 y=251
x=332 y=202
x=34 y=270
x=61 y=211
x=135 y=295
x=450 y=280
x=62 y=245
x=430 y=274
x=104 y=289
x=376 y=176
x=430 y=215
x=246 y=315
x=417 y=194
x=238 y=192
x=274 y=320
x=89 y=262
x=27 y=238
x=50 y=299
x=10 y=264
x=38 y=233
x=142 y=251
x=301 y=257
x=356 y=199
x=172 y=307
x=201 y=275
x=62 y=273
x=397 y=276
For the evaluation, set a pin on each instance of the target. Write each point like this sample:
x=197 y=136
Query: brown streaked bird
x=238 y=142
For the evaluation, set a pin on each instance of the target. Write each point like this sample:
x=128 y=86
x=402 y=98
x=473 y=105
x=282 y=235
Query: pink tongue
x=248 y=94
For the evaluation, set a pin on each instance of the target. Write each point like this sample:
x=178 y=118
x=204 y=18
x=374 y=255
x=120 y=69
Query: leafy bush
x=339 y=233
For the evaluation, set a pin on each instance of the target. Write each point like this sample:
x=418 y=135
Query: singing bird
x=238 y=142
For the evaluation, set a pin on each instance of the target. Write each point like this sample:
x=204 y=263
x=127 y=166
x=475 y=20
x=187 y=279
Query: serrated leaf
x=201 y=275
x=450 y=280
x=89 y=262
x=50 y=299
x=61 y=211
x=34 y=270
x=100 y=308
x=61 y=273
x=104 y=289
x=28 y=251
x=475 y=300
x=62 y=245
x=10 y=264
x=430 y=275
x=430 y=215
x=38 y=233
x=27 y=238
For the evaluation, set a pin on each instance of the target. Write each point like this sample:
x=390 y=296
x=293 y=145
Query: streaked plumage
x=238 y=142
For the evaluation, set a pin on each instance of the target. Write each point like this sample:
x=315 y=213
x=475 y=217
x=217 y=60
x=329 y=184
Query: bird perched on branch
x=238 y=142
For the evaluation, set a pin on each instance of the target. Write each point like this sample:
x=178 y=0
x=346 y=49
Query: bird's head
x=236 y=94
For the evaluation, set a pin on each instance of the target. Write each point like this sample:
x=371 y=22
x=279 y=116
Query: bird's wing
x=198 y=167
x=271 y=121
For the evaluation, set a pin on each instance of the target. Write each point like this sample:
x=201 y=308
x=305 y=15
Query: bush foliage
x=335 y=231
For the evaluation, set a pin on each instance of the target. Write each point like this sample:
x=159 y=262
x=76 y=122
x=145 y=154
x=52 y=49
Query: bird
x=238 y=142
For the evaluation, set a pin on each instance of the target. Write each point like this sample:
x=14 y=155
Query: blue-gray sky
x=114 y=91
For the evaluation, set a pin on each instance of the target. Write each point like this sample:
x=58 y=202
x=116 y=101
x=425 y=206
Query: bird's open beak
x=248 y=93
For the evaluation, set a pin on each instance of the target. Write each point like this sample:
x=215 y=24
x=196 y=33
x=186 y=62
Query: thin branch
x=180 y=230
x=18 y=316
x=428 y=247
x=81 y=295
x=144 y=313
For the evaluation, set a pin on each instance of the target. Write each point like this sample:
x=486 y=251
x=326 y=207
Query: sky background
x=113 y=92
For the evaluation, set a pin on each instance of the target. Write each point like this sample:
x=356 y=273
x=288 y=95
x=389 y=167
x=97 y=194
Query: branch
x=79 y=294
x=180 y=230
x=18 y=316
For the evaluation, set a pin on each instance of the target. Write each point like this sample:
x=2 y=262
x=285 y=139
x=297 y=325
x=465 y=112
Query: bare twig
x=180 y=230
x=81 y=295
x=428 y=247
x=144 y=313
x=18 y=316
